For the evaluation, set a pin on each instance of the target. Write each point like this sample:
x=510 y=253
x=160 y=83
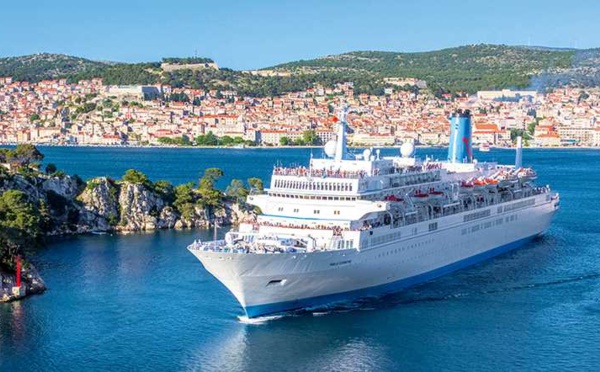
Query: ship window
x=316 y=211
x=336 y=212
x=280 y=209
x=296 y=210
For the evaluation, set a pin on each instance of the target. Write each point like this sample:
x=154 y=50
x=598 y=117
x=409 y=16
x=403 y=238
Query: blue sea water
x=142 y=302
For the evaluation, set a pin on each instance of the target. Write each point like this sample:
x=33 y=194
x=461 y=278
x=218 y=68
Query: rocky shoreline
x=60 y=204
x=31 y=284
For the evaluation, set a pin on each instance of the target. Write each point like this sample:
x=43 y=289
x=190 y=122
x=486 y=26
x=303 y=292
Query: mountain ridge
x=465 y=68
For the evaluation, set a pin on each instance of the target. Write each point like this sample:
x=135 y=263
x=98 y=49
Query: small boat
x=420 y=196
x=466 y=187
x=479 y=184
x=436 y=194
x=484 y=147
x=393 y=198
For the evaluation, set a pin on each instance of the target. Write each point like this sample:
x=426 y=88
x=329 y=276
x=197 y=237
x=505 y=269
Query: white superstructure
x=350 y=226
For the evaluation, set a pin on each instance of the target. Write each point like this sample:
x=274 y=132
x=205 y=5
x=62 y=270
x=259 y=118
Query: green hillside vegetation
x=467 y=68
x=259 y=86
x=38 y=67
x=122 y=74
x=462 y=69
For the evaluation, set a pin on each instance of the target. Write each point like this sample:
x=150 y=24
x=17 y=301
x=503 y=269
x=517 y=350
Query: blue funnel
x=460 y=149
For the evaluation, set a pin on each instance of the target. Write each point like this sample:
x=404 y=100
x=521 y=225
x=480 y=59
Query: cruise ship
x=347 y=226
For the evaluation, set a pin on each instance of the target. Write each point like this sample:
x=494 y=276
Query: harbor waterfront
x=142 y=301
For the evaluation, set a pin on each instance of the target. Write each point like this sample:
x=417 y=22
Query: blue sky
x=255 y=33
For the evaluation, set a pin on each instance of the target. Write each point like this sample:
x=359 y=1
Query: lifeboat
x=479 y=185
x=504 y=182
x=420 y=196
x=436 y=194
x=393 y=198
x=491 y=184
x=466 y=187
x=526 y=174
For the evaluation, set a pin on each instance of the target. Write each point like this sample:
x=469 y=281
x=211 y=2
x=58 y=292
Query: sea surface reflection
x=142 y=302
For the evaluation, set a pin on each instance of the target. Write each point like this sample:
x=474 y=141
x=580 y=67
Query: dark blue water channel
x=142 y=302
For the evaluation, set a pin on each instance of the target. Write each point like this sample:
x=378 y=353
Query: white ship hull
x=387 y=262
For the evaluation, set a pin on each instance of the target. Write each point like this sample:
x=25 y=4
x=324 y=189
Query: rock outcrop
x=66 y=205
x=129 y=207
x=65 y=186
x=31 y=283
x=99 y=209
x=103 y=204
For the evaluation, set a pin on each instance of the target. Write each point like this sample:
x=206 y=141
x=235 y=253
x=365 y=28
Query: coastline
x=12 y=144
x=39 y=206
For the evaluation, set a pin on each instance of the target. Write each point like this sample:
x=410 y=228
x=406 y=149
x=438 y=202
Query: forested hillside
x=462 y=69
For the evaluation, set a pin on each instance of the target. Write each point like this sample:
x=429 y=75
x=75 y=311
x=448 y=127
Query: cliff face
x=63 y=205
x=71 y=206
x=99 y=210
x=142 y=209
x=130 y=207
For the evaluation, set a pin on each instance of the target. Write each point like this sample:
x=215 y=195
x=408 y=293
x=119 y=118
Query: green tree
x=184 y=199
x=227 y=141
x=24 y=154
x=208 y=139
x=165 y=190
x=213 y=174
x=50 y=168
x=5 y=155
x=284 y=141
x=34 y=117
x=19 y=216
x=210 y=195
x=256 y=183
x=237 y=191
x=310 y=138
x=136 y=177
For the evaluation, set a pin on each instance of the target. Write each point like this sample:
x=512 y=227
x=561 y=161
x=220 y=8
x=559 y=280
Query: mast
x=341 y=152
x=215 y=230
x=519 y=153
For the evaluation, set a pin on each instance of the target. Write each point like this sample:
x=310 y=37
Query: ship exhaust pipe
x=460 y=149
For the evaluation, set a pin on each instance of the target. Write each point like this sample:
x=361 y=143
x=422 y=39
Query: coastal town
x=91 y=113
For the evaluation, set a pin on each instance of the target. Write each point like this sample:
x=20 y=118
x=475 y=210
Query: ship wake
x=396 y=299
x=393 y=300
